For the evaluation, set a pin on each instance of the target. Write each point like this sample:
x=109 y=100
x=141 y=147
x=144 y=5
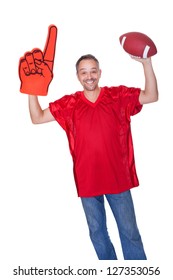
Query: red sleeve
x=128 y=97
x=61 y=109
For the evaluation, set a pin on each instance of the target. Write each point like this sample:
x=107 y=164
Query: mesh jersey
x=100 y=139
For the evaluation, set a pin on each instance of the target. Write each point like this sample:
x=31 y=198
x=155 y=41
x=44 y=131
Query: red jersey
x=100 y=139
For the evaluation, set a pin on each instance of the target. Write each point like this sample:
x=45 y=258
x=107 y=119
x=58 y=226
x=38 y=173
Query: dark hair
x=86 y=56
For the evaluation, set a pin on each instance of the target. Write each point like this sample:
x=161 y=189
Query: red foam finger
x=35 y=68
x=37 y=54
x=23 y=67
x=30 y=60
x=49 y=50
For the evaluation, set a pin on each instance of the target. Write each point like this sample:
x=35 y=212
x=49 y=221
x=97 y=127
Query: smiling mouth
x=89 y=82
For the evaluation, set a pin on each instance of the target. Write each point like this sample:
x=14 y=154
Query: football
x=138 y=44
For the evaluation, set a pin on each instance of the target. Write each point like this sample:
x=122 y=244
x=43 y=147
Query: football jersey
x=100 y=138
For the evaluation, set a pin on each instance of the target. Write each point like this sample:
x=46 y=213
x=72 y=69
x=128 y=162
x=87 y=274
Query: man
x=97 y=123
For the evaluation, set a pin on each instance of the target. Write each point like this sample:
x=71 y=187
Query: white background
x=42 y=221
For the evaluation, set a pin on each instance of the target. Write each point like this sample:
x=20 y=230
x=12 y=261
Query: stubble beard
x=90 y=87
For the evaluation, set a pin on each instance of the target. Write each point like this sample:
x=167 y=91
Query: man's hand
x=142 y=60
x=36 y=67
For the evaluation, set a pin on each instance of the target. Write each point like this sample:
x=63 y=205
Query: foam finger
x=49 y=51
x=30 y=60
x=24 y=67
x=37 y=54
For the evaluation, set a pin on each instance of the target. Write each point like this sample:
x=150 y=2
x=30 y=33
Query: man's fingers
x=49 y=51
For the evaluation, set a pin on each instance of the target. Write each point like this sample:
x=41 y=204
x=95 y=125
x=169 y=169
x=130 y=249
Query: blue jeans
x=124 y=214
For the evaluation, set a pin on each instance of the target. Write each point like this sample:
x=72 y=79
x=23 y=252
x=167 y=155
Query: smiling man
x=97 y=123
x=89 y=74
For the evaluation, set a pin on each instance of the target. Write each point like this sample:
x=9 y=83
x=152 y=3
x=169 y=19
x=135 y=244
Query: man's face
x=89 y=74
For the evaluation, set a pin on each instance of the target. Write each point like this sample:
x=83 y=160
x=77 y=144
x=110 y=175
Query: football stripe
x=146 y=50
x=123 y=41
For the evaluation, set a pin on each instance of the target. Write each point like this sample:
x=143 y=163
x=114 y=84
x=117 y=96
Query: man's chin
x=90 y=87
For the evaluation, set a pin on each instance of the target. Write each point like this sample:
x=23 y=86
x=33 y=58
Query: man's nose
x=89 y=75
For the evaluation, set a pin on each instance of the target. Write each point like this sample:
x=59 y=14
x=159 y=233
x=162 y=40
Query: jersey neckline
x=93 y=104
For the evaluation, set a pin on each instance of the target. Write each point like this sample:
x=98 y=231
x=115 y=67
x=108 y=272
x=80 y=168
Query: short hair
x=85 y=57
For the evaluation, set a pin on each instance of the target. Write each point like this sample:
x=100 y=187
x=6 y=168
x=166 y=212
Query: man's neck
x=92 y=95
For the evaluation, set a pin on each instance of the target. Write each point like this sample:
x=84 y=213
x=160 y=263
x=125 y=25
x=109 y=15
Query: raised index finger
x=50 y=46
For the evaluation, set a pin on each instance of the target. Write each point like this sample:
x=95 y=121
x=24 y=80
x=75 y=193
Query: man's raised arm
x=150 y=92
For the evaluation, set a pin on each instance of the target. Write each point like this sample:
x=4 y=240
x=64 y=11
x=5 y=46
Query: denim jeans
x=124 y=214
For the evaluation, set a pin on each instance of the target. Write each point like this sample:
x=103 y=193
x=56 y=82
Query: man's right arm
x=38 y=115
